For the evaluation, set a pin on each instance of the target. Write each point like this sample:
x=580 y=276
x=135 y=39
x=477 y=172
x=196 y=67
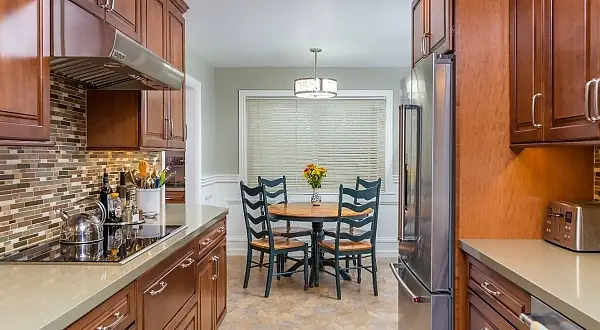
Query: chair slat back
x=255 y=210
x=370 y=196
x=364 y=184
x=275 y=190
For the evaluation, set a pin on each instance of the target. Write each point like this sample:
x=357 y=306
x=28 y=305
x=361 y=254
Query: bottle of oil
x=105 y=191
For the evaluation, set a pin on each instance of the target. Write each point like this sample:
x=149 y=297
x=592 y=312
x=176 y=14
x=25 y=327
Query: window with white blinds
x=346 y=135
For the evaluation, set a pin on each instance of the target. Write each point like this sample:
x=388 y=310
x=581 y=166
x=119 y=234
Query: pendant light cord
x=315 y=65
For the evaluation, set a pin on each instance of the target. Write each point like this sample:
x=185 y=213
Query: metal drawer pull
x=485 y=328
x=104 y=5
x=113 y=325
x=206 y=242
x=526 y=319
x=171 y=121
x=423 y=45
x=533 y=99
x=587 y=100
x=112 y=7
x=163 y=285
x=215 y=270
x=485 y=287
x=596 y=114
x=186 y=263
x=218 y=271
x=221 y=230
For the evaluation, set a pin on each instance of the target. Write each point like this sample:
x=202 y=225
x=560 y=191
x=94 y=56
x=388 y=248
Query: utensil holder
x=148 y=200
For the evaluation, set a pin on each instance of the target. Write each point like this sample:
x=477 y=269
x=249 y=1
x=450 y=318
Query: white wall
x=204 y=72
x=222 y=189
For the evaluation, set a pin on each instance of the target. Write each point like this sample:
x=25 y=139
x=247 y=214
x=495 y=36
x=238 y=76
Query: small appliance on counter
x=574 y=225
x=175 y=189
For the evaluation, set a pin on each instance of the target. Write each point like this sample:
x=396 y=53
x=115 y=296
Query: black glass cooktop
x=120 y=245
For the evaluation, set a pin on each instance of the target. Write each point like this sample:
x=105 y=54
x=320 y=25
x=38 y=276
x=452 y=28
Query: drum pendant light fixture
x=315 y=87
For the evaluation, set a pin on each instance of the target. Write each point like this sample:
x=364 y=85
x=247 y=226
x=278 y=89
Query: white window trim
x=389 y=129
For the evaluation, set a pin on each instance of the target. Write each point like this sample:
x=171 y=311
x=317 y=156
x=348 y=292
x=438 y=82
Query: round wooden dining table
x=317 y=215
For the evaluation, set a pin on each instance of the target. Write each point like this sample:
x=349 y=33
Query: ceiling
x=279 y=33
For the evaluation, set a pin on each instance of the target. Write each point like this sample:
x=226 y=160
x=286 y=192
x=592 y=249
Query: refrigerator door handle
x=416 y=299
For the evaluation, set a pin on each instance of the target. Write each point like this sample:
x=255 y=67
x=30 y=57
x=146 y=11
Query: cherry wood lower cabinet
x=494 y=301
x=186 y=291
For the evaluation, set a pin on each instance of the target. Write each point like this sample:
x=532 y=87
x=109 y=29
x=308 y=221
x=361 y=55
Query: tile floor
x=290 y=307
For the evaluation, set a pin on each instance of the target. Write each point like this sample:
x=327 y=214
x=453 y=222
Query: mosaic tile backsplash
x=37 y=181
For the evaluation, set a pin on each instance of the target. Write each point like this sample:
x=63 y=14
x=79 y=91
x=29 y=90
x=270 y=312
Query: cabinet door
x=176 y=50
x=154 y=112
x=190 y=321
x=96 y=7
x=526 y=70
x=418 y=30
x=206 y=287
x=24 y=70
x=573 y=53
x=221 y=283
x=440 y=21
x=125 y=15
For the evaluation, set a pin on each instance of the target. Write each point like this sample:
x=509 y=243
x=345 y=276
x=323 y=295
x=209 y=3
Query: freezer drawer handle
x=485 y=286
x=416 y=299
x=526 y=319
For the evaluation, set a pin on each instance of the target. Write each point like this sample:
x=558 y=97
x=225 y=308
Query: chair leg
x=261 y=260
x=270 y=275
x=374 y=270
x=337 y=277
x=347 y=262
x=359 y=257
x=278 y=267
x=354 y=259
x=248 y=264
x=306 y=269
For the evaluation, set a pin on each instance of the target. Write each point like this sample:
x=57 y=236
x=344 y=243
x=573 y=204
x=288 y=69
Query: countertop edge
x=545 y=296
x=178 y=241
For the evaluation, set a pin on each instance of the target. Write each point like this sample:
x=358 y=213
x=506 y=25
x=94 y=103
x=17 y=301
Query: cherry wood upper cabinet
x=555 y=66
x=24 y=71
x=432 y=28
x=527 y=100
x=154 y=114
x=440 y=19
x=418 y=30
x=125 y=15
x=96 y=7
x=176 y=56
x=573 y=55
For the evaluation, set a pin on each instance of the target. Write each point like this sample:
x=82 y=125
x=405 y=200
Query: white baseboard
x=237 y=246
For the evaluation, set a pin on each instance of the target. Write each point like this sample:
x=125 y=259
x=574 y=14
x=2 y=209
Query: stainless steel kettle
x=83 y=228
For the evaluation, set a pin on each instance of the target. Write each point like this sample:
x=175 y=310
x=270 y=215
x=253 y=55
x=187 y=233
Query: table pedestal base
x=316 y=237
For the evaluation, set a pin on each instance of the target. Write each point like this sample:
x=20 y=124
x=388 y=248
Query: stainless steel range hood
x=87 y=49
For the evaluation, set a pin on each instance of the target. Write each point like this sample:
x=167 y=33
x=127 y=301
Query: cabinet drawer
x=502 y=295
x=117 y=313
x=207 y=242
x=165 y=290
x=482 y=316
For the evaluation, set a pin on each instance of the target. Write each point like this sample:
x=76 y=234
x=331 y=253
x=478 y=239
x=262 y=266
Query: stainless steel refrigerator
x=425 y=267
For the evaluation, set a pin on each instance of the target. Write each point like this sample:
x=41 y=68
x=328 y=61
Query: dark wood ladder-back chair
x=345 y=243
x=360 y=184
x=276 y=193
x=264 y=241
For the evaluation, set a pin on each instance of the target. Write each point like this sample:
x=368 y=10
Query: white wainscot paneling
x=224 y=191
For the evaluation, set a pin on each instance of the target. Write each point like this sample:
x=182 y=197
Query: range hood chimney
x=88 y=50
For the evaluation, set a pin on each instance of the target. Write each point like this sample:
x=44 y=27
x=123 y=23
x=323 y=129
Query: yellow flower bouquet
x=314 y=173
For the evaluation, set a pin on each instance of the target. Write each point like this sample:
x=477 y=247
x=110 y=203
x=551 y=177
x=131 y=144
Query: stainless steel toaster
x=574 y=225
